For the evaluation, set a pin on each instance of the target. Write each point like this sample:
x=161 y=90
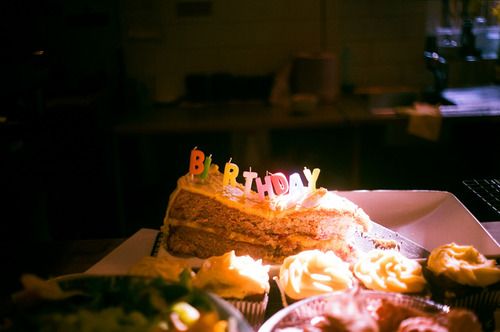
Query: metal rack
x=488 y=192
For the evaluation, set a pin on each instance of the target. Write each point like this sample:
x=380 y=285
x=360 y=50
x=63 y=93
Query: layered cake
x=211 y=215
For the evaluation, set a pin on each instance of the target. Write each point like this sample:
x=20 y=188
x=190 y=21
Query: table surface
x=98 y=256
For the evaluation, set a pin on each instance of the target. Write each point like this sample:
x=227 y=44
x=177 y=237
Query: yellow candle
x=231 y=171
x=311 y=178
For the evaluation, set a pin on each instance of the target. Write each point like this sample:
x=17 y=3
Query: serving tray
x=429 y=218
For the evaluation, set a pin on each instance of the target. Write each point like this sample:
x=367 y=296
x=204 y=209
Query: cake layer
x=204 y=212
x=204 y=243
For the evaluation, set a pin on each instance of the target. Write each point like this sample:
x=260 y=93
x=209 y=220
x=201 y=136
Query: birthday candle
x=196 y=161
x=262 y=188
x=231 y=171
x=249 y=176
x=311 y=178
x=206 y=167
x=296 y=185
x=280 y=183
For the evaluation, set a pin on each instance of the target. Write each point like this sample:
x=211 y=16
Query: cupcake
x=390 y=271
x=240 y=280
x=313 y=272
x=163 y=267
x=460 y=276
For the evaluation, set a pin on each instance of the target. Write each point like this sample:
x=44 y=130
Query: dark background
x=65 y=174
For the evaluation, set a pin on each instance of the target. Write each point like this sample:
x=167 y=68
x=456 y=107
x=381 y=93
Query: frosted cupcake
x=461 y=276
x=241 y=280
x=390 y=271
x=313 y=272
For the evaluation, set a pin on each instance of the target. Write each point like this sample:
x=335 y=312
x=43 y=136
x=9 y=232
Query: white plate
x=430 y=218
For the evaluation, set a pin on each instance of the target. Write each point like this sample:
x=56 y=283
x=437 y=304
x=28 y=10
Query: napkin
x=425 y=121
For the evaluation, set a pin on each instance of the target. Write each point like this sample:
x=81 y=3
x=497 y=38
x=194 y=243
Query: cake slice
x=205 y=219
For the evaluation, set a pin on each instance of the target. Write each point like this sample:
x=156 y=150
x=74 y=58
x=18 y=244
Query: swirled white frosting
x=313 y=272
x=389 y=270
x=463 y=264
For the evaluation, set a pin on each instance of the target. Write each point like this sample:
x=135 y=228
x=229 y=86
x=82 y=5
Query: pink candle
x=266 y=187
x=280 y=183
x=249 y=176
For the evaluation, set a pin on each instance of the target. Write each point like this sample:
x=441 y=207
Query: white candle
x=295 y=184
x=249 y=176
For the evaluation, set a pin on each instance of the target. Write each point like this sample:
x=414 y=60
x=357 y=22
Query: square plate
x=429 y=218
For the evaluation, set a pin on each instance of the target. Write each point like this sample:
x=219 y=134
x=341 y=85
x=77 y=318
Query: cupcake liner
x=253 y=311
x=483 y=303
x=485 y=299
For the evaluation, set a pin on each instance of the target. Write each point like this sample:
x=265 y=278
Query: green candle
x=206 y=166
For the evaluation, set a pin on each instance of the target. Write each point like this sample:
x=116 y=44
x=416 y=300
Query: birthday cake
x=211 y=213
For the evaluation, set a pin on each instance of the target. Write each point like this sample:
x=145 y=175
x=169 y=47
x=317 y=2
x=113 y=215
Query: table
x=97 y=256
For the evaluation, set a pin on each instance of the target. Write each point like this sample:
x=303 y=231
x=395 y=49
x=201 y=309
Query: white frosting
x=314 y=272
x=463 y=264
x=232 y=276
x=389 y=270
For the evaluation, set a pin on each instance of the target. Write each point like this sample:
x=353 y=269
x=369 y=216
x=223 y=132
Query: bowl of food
x=118 y=303
x=368 y=311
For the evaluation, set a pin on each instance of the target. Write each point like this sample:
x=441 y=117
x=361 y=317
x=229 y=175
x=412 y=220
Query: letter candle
x=311 y=178
x=230 y=173
x=296 y=185
x=262 y=188
x=206 y=167
x=196 y=161
x=280 y=183
x=249 y=176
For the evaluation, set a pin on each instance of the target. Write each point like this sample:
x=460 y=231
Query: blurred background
x=102 y=101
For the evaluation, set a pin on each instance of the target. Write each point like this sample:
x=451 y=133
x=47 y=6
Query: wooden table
x=95 y=256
